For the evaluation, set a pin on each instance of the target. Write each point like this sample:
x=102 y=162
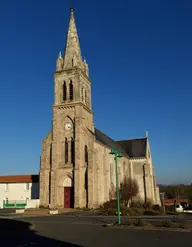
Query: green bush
x=141 y=222
x=137 y=211
x=165 y=223
x=151 y=212
x=148 y=204
x=132 y=211
x=172 y=213
x=129 y=223
x=181 y=225
x=156 y=207
x=128 y=212
x=175 y=225
x=109 y=204
x=136 y=204
x=170 y=208
x=124 y=211
x=172 y=224
x=110 y=211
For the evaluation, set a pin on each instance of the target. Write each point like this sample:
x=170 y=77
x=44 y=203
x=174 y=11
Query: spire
x=60 y=56
x=72 y=56
x=59 y=62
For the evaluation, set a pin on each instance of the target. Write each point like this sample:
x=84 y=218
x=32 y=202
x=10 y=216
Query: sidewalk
x=44 y=212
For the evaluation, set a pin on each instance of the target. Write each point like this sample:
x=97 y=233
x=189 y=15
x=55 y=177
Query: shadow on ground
x=19 y=233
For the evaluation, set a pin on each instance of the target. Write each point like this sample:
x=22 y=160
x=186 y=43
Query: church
x=76 y=167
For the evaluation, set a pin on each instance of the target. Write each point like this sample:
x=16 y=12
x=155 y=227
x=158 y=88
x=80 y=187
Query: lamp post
x=117 y=155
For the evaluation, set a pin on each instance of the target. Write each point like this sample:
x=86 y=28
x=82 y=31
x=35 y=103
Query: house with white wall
x=19 y=190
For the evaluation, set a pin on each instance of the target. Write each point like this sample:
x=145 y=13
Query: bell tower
x=72 y=83
x=72 y=123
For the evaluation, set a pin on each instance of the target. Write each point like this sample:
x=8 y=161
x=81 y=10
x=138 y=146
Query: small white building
x=19 y=191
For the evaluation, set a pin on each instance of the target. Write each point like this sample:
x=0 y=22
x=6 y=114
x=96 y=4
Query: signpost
x=117 y=155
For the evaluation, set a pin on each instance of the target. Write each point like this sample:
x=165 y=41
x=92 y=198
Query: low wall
x=33 y=203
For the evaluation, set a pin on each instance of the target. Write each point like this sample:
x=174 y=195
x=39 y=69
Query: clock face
x=68 y=126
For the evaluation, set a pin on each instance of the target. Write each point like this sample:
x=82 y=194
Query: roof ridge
x=113 y=142
x=105 y=135
x=17 y=175
x=131 y=139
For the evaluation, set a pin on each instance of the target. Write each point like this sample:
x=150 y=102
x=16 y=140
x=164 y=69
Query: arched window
x=85 y=97
x=50 y=156
x=124 y=169
x=86 y=179
x=64 y=91
x=71 y=90
x=72 y=151
x=82 y=94
x=66 y=150
x=86 y=154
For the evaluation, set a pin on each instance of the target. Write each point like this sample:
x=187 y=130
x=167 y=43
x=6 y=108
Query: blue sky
x=140 y=59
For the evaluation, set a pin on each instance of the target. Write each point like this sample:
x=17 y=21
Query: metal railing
x=14 y=203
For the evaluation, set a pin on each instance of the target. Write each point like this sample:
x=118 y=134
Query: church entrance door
x=68 y=197
x=68 y=193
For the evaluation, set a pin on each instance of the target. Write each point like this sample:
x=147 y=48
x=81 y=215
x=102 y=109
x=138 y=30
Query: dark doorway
x=68 y=197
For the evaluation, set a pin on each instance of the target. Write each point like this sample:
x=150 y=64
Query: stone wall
x=105 y=173
x=138 y=174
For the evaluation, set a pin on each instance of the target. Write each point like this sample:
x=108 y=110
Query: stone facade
x=74 y=162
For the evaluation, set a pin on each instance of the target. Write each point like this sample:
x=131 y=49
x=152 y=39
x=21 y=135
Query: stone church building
x=76 y=169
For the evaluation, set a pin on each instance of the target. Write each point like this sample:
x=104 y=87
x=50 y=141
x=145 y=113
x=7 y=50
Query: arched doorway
x=68 y=193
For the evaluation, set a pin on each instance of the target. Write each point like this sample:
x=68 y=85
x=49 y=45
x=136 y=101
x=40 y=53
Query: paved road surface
x=83 y=230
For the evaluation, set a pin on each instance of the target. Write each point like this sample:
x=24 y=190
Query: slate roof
x=107 y=141
x=135 y=148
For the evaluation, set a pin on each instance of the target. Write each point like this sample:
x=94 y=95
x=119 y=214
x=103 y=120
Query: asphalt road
x=95 y=235
x=4 y=211
x=83 y=229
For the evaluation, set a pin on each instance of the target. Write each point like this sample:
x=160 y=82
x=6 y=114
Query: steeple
x=72 y=56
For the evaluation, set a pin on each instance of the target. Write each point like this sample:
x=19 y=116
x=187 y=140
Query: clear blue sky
x=140 y=60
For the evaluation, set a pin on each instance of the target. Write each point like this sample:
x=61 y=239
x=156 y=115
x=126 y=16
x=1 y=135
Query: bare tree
x=128 y=190
x=112 y=192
